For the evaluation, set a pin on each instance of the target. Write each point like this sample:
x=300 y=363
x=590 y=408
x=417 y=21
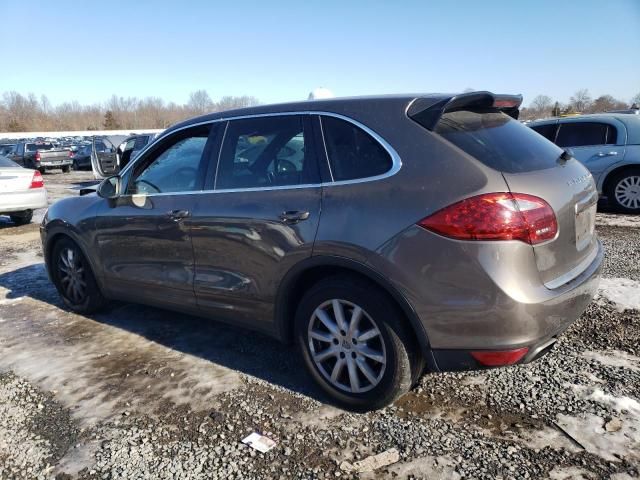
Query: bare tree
x=541 y=105
x=636 y=99
x=605 y=103
x=200 y=102
x=580 y=101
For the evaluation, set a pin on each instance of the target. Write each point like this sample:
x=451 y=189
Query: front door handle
x=293 y=216
x=178 y=215
x=607 y=154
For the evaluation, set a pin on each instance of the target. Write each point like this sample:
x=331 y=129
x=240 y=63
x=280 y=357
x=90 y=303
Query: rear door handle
x=607 y=154
x=178 y=215
x=293 y=216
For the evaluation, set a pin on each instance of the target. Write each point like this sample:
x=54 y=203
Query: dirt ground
x=139 y=392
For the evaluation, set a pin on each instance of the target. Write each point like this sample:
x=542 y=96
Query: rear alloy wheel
x=74 y=279
x=355 y=344
x=22 y=218
x=346 y=346
x=625 y=191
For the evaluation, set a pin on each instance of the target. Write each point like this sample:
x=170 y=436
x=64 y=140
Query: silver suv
x=608 y=145
x=384 y=236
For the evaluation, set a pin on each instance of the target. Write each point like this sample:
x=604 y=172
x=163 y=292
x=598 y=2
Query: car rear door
x=143 y=236
x=259 y=218
x=596 y=144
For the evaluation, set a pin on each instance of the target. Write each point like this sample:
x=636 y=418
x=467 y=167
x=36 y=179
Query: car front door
x=143 y=235
x=597 y=145
x=259 y=219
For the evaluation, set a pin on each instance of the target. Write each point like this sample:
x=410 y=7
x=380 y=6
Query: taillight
x=498 y=358
x=496 y=216
x=37 y=156
x=70 y=154
x=37 y=181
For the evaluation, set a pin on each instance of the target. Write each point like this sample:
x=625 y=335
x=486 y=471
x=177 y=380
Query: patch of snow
x=622 y=292
x=433 y=468
x=615 y=358
x=9 y=301
x=570 y=473
x=590 y=431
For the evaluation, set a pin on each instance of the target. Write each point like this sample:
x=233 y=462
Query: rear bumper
x=54 y=163
x=20 y=201
x=482 y=296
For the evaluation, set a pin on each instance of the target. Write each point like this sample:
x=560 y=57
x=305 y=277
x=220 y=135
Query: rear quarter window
x=498 y=141
x=352 y=152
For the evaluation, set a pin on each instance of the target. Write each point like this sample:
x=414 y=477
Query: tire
x=380 y=320
x=623 y=191
x=87 y=299
x=22 y=218
x=42 y=170
x=66 y=169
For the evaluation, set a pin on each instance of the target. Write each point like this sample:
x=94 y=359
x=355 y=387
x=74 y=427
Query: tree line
x=30 y=113
x=580 y=102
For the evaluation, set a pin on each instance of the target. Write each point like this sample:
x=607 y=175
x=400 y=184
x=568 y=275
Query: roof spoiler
x=428 y=110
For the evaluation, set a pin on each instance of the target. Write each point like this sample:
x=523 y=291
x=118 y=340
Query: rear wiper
x=565 y=155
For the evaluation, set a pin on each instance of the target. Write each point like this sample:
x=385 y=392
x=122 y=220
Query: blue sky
x=281 y=50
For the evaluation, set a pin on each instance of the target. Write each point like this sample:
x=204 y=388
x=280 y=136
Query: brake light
x=37 y=156
x=499 y=358
x=496 y=216
x=37 y=181
x=70 y=154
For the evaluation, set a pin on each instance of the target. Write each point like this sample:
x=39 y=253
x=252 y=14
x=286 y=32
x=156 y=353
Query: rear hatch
x=483 y=126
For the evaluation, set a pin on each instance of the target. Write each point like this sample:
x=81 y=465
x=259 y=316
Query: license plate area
x=585 y=226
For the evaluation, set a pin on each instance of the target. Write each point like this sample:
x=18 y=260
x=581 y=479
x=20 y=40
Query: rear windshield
x=5 y=162
x=32 y=147
x=498 y=140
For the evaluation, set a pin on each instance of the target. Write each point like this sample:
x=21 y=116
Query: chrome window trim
x=395 y=158
x=324 y=146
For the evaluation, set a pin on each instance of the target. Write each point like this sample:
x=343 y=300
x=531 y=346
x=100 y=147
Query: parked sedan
x=21 y=191
x=609 y=146
x=382 y=235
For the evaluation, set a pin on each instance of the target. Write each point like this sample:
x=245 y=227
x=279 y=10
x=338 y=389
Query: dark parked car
x=608 y=144
x=82 y=156
x=385 y=236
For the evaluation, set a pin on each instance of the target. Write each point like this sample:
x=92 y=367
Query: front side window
x=175 y=166
x=265 y=152
x=353 y=153
x=582 y=134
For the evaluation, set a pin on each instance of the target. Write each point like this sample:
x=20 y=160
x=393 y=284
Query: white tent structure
x=320 y=93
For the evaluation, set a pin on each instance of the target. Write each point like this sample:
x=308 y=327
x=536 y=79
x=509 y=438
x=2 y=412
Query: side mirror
x=110 y=187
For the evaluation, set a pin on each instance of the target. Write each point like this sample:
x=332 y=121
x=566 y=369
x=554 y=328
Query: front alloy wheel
x=73 y=278
x=72 y=275
x=347 y=346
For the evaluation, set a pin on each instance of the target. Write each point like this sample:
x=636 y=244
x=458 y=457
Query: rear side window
x=582 y=134
x=547 y=131
x=265 y=152
x=498 y=141
x=353 y=153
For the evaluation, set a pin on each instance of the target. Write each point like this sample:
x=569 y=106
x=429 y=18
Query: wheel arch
x=58 y=234
x=610 y=175
x=307 y=272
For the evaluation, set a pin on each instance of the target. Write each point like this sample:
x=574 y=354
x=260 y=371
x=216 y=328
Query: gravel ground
x=138 y=393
